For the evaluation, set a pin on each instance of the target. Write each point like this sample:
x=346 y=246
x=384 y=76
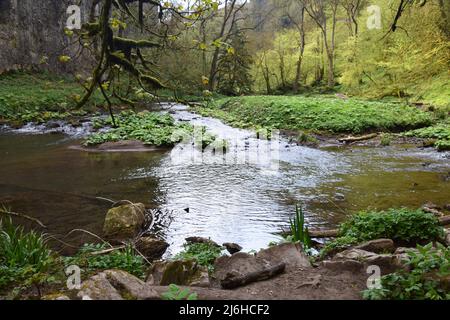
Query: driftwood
x=232 y=281
x=360 y=138
x=324 y=233
x=330 y=233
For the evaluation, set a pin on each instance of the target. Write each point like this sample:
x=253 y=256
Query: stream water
x=229 y=201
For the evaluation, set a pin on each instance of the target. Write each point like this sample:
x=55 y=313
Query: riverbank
x=310 y=120
x=285 y=270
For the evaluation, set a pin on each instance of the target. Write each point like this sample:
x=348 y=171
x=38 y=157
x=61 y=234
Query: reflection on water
x=243 y=203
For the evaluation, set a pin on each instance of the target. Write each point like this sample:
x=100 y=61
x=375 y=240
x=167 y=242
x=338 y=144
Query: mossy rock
x=124 y=222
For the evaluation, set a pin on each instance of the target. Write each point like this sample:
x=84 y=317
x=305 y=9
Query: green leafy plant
x=204 y=253
x=149 y=127
x=318 y=113
x=402 y=225
x=176 y=293
x=125 y=259
x=426 y=279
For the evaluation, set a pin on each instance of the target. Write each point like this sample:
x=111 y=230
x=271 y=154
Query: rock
x=378 y=246
x=179 y=272
x=242 y=268
x=152 y=248
x=447 y=206
x=447 y=237
x=124 y=222
x=116 y=285
x=289 y=253
x=201 y=240
x=386 y=262
x=232 y=248
x=345 y=265
x=131 y=287
x=98 y=288
x=55 y=296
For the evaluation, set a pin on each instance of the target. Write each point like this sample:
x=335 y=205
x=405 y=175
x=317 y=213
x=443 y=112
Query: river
x=245 y=202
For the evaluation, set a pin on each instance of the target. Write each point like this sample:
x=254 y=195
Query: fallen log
x=233 y=280
x=360 y=138
x=330 y=233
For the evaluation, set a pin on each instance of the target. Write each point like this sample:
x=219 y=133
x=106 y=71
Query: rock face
x=116 y=285
x=124 y=222
x=32 y=30
x=152 y=248
x=179 y=272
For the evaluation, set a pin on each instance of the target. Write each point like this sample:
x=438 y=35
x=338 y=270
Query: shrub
x=429 y=269
x=410 y=226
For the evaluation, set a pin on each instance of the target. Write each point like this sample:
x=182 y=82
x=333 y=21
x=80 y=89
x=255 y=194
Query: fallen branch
x=361 y=138
x=233 y=281
x=21 y=215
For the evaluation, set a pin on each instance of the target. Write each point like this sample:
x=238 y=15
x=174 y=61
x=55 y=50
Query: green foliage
x=234 y=67
x=317 y=113
x=176 y=293
x=386 y=140
x=24 y=256
x=150 y=128
x=402 y=225
x=429 y=268
x=440 y=132
x=37 y=97
x=125 y=259
x=337 y=245
x=204 y=253
x=298 y=229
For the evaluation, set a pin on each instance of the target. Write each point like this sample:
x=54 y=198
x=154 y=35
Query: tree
x=117 y=56
x=317 y=10
x=234 y=67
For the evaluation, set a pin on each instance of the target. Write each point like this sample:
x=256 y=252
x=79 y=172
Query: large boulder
x=116 y=285
x=242 y=268
x=124 y=222
x=179 y=272
x=152 y=248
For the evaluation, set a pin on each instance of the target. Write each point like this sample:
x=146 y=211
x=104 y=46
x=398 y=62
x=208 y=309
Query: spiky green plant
x=299 y=231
